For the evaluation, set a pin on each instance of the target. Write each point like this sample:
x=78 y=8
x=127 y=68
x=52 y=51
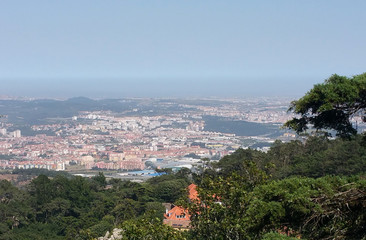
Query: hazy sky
x=122 y=48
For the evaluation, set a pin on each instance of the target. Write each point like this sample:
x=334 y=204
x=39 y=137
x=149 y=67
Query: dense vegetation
x=79 y=208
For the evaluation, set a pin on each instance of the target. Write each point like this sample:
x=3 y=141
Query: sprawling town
x=130 y=141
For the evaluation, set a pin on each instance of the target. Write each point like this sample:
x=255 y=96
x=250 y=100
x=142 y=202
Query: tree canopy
x=331 y=105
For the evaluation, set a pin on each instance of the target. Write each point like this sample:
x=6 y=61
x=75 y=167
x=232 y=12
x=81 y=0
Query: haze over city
x=104 y=49
x=182 y=120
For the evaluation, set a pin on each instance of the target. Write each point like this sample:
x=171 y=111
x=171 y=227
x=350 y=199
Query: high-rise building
x=17 y=134
x=3 y=131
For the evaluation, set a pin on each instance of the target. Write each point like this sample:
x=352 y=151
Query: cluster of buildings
x=101 y=141
x=117 y=141
x=263 y=110
x=14 y=134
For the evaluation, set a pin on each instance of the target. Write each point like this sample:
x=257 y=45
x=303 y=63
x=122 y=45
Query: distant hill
x=80 y=100
x=37 y=111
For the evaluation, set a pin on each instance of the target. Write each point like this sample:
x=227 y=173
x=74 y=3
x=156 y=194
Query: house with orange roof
x=178 y=217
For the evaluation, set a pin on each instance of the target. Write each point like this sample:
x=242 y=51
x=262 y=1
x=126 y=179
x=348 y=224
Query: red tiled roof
x=177 y=213
x=192 y=191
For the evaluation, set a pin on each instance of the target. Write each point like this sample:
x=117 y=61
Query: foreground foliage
x=325 y=208
x=80 y=208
